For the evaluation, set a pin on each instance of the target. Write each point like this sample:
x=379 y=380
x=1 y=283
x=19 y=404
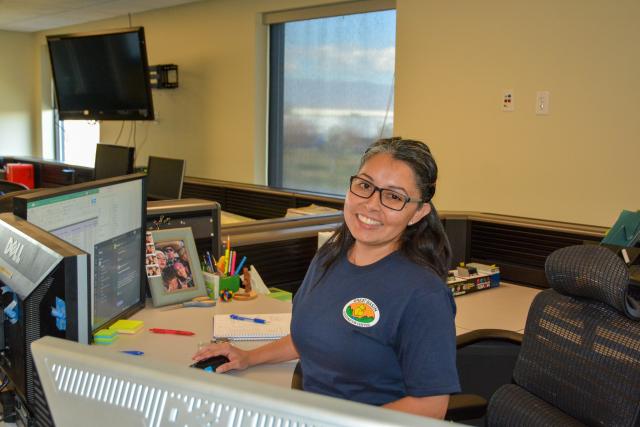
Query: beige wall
x=578 y=164
x=454 y=59
x=216 y=119
x=16 y=92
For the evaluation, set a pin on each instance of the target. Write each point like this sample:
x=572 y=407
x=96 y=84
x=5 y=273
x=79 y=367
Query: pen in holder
x=230 y=281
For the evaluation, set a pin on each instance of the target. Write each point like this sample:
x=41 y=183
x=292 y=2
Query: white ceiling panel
x=39 y=15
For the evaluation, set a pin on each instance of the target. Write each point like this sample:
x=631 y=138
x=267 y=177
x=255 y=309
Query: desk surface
x=504 y=307
x=229 y=218
x=179 y=348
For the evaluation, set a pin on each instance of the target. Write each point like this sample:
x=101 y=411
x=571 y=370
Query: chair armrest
x=296 y=378
x=465 y=407
x=478 y=335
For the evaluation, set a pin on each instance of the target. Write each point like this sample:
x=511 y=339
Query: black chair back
x=10 y=186
x=580 y=356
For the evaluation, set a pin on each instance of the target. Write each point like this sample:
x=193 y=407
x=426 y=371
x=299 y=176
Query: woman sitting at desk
x=373 y=320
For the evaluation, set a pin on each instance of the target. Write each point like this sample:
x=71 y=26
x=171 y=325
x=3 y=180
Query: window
x=330 y=96
x=76 y=141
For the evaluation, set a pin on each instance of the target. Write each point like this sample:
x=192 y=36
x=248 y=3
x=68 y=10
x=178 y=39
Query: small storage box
x=20 y=172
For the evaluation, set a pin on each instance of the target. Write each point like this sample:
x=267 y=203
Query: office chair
x=10 y=186
x=579 y=362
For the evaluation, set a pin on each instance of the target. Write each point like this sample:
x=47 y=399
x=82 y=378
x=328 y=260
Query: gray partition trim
x=562 y=227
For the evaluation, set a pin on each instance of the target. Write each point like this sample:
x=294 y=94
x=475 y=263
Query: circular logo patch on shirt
x=361 y=312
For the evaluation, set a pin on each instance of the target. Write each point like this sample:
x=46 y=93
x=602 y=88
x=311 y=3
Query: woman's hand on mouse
x=238 y=359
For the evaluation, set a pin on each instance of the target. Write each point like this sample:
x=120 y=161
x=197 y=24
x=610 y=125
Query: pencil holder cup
x=231 y=283
x=212 y=283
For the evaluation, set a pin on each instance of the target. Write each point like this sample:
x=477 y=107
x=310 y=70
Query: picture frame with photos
x=173 y=267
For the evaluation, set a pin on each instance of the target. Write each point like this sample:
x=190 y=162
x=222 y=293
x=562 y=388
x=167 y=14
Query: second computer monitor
x=113 y=160
x=164 y=178
x=106 y=219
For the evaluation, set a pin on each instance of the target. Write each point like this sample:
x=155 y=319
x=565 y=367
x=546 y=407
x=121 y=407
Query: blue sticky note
x=60 y=314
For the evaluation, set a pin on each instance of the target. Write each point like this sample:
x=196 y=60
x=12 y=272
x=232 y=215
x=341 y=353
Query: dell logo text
x=14 y=249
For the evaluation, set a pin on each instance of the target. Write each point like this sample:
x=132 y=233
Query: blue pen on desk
x=133 y=352
x=247 y=319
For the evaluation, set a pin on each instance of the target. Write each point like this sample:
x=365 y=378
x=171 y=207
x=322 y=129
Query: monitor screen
x=113 y=160
x=104 y=218
x=102 y=76
x=147 y=391
x=164 y=178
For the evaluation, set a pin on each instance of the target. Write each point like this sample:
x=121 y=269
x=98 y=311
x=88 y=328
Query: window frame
x=276 y=23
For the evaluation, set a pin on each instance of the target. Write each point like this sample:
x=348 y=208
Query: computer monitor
x=93 y=386
x=165 y=177
x=113 y=160
x=45 y=291
x=101 y=75
x=105 y=218
x=202 y=216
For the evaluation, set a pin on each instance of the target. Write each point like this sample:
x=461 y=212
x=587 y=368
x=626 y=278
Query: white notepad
x=277 y=326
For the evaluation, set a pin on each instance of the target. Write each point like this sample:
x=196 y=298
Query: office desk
x=228 y=218
x=504 y=307
x=179 y=348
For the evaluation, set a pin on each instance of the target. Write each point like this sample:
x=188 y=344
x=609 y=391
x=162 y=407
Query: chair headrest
x=593 y=272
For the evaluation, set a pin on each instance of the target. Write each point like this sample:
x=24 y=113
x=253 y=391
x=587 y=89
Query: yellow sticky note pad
x=127 y=326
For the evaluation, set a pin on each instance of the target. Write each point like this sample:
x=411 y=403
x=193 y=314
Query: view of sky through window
x=79 y=140
x=338 y=89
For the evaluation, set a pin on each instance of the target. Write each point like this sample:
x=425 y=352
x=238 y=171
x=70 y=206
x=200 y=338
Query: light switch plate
x=543 y=99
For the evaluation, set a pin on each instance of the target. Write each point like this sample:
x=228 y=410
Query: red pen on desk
x=170 y=331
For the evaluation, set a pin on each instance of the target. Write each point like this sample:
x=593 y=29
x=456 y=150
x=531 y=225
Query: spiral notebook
x=277 y=326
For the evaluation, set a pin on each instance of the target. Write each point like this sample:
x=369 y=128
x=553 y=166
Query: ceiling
x=39 y=15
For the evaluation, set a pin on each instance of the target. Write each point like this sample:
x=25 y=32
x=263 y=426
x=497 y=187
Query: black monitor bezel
x=130 y=114
x=157 y=196
x=130 y=153
x=20 y=209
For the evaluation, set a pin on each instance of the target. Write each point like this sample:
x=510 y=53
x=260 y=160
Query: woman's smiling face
x=374 y=226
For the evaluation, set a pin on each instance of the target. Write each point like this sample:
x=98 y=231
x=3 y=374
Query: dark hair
x=424 y=242
x=168 y=273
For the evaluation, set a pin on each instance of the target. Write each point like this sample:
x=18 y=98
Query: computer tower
x=203 y=216
x=45 y=292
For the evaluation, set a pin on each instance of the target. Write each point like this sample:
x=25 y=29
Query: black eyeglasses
x=388 y=198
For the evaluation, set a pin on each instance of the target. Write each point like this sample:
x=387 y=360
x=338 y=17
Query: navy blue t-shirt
x=376 y=333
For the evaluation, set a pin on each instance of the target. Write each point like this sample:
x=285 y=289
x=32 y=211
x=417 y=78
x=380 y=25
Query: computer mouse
x=210 y=364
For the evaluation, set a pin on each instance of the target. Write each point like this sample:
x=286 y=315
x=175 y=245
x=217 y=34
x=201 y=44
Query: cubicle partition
x=281 y=248
x=48 y=174
x=255 y=201
x=519 y=246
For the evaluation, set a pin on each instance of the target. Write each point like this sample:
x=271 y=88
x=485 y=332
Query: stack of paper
x=276 y=326
x=105 y=337
x=127 y=326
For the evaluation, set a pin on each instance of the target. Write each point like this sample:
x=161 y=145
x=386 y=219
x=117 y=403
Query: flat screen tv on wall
x=101 y=76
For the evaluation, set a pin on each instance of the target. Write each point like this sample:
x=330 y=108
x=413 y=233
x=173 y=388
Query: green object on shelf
x=280 y=294
x=626 y=230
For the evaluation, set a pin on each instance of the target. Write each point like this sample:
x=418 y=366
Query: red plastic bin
x=20 y=172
